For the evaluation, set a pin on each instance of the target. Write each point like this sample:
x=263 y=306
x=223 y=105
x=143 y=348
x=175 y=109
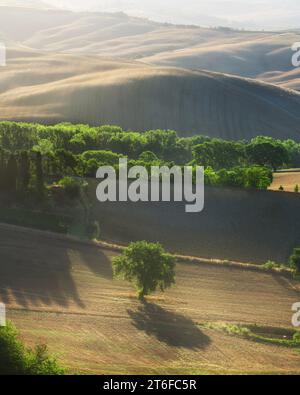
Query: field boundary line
x=206 y=261
x=105 y=245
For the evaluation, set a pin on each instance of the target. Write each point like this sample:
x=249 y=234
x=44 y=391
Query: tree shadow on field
x=35 y=273
x=37 y=269
x=96 y=261
x=168 y=327
x=285 y=282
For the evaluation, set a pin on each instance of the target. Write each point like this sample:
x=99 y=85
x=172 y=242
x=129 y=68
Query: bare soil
x=61 y=292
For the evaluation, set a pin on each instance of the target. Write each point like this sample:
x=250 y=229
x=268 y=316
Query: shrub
x=103 y=158
x=294 y=260
x=296 y=189
x=15 y=359
x=258 y=177
x=148 y=156
x=210 y=176
x=270 y=265
x=147 y=265
x=296 y=337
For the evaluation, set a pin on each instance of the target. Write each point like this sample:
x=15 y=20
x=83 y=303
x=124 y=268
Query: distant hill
x=37 y=4
x=255 y=55
x=112 y=68
x=52 y=88
x=243 y=53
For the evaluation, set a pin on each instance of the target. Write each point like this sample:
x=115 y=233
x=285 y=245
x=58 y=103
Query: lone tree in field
x=147 y=265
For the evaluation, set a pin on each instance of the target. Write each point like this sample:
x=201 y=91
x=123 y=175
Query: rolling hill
x=60 y=292
x=241 y=225
x=254 y=55
x=112 y=68
x=244 y=53
x=83 y=89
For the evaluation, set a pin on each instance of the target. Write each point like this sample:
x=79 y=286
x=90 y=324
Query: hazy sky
x=267 y=14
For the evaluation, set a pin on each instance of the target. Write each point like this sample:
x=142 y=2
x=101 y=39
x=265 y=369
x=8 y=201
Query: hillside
x=261 y=56
x=61 y=292
x=52 y=88
x=235 y=224
x=244 y=53
x=101 y=68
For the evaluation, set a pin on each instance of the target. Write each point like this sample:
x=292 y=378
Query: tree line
x=32 y=154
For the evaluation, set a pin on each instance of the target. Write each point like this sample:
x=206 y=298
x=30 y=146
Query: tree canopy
x=147 y=266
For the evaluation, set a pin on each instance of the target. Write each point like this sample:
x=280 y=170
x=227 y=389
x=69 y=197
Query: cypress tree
x=24 y=171
x=11 y=175
x=39 y=175
x=2 y=169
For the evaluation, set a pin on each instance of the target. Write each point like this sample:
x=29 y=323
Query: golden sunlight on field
x=288 y=180
x=61 y=292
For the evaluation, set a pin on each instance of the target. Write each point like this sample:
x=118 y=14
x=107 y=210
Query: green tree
x=2 y=169
x=16 y=359
x=66 y=162
x=39 y=175
x=296 y=189
x=210 y=177
x=258 y=177
x=148 y=156
x=72 y=186
x=11 y=174
x=147 y=265
x=267 y=153
x=24 y=166
x=44 y=146
x=294 y=260
x=219 y=154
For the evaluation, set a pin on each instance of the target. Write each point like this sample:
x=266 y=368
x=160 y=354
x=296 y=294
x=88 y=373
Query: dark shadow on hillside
x=35 y=272
x=36 y=269
x=96 y=261
x=285 y=282
x=168 y=327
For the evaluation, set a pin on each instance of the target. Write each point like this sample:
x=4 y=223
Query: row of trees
x=262 y=151
x=21 y=172
x=25 y=171
x=252 y=177
x=31 y=154
x=165 y=144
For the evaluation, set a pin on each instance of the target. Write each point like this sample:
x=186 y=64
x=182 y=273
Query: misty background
x=248 y=14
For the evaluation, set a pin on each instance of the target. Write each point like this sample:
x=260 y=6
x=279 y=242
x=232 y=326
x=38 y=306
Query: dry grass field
x=288 y=180
x=61 y=292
